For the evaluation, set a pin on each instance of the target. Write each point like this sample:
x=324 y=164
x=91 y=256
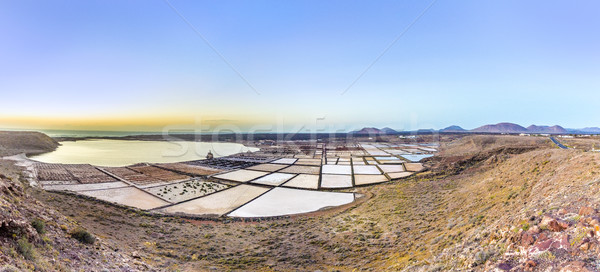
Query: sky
x=152 y=65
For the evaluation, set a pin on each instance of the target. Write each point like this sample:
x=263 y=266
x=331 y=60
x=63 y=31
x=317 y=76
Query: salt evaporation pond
x=115 y=153
x=416 y=158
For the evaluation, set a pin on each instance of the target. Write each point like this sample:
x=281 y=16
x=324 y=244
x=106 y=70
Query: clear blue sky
x=138 y=65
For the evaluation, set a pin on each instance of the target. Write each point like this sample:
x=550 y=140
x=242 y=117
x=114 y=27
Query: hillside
x=547 y=129
x=33 y=236
x=500 y=128
x=15 y=142
x=453 y=129
x=369 y=130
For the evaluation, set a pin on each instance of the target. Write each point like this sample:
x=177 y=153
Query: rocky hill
x=369 y=130
x=501 y=128
x=34 y=236
x=547 y=129
x=453 y=129
x=15 y=142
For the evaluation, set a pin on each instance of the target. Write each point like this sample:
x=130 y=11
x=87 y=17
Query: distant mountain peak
x=369 y=130
x=388 y=130
x=453 y=129
x=501 y=128
x=374 y=130
x=547 y=129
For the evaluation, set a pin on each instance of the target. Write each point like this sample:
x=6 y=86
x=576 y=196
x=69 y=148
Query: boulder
x=585 y=211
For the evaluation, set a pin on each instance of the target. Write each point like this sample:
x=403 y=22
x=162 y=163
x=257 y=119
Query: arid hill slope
x=15 y=142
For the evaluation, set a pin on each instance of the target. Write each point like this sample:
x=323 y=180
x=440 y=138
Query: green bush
x=39 y=225
x=25 y=248
x=83 y=236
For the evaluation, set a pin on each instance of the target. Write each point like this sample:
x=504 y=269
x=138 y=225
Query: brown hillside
x=15 y=142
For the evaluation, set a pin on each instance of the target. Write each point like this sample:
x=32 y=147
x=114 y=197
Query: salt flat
x=129 y=196
x=218 y=203
x=285 y=201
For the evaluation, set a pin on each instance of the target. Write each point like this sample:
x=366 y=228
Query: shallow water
x=123 y=152
x=417 y=157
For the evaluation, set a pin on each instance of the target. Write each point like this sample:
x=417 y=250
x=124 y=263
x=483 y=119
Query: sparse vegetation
x=39 y=225
x=25 y=248
x=83 y=236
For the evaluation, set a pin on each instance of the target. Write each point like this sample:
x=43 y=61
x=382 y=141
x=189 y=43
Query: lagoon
x=125 y=152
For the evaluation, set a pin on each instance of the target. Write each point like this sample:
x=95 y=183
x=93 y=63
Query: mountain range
x=505 y=127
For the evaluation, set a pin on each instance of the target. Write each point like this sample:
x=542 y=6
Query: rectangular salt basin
x=366 y=170
x=399 y=175
x=285 y=161
x=241 y=175
x=299 y=169
x=376 y=152
x=358 y=161
x=86 y=187
x=417 y=158
x=369 y=179
x=336 y=169
x=267 y=167
x=387 y=158
x=336 y=181
x=304 y=181
x=397 y=152
x=286 y=201
x=181 y=191
x=391 y=168
x=314 y=162
x=129 y=196
x=414 y=167
x=218 y=203
x=274 y=179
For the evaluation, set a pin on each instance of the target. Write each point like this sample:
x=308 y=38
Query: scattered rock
x=527 y=238
x=575 y=266
x=504 y=266
x=530 y=264
x=553 y=224
x=584 y=211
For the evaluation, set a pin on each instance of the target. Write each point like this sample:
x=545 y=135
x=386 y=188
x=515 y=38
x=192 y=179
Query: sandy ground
x=23 y=161
x=399 y=175
x=284 y=201
x=414 y=167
